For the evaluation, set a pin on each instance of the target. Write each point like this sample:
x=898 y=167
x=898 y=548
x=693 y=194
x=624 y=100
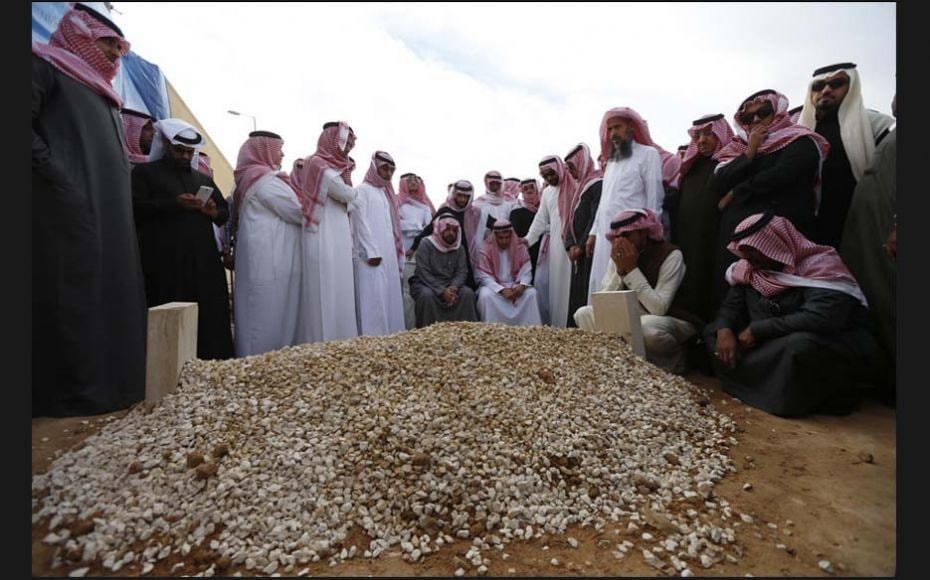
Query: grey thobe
x=435 y=272
x=870 y=220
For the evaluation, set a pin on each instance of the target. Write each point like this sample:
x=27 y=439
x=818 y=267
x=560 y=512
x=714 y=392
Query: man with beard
x=438 y=285
x=772 y=165
x=458 y=205
x=833 y=108
x=632 y=179
x=88 y=298
x=180 y=259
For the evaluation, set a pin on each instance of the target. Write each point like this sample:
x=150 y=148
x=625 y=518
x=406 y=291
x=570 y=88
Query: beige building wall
x=222 y=170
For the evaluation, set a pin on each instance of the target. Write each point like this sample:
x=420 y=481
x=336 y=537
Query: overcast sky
x=453 y=91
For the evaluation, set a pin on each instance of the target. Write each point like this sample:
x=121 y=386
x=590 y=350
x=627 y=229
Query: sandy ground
x=832 y=477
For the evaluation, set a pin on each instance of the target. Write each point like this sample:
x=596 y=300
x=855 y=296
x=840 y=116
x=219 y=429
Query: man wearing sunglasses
x=833 y=107
x=772 y=165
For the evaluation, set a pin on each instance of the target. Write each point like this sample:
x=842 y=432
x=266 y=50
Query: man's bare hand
x=756 y=137
x=374 y=261
x=209 y=209
x=725 y=349
x=746 y=339
x=574 y=253
x=725 y=201
x=188 y=201
x=449 y=295
x=625 y=256
x=589 y=246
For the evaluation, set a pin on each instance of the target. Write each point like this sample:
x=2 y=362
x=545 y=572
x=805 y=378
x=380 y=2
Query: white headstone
x=617 y=312
x=172 y=341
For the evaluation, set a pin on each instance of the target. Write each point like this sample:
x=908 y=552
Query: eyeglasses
x=818 y=86
x=763 y=112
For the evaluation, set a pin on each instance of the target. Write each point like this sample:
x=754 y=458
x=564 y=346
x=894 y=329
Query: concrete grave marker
x=617 y=312
x=172 y=341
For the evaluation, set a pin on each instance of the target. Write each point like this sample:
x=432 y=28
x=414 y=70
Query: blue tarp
x=140 y=83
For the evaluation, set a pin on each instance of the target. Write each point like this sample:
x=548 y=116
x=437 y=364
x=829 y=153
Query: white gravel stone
x=286 y=430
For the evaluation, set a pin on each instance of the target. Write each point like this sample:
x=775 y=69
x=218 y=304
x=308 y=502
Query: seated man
x=505 y=274
x=438 y=284
x=793 y=335
x=641 y=260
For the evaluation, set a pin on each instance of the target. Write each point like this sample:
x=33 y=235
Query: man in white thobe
x=549 y=219
x=641 y=260
x=632 y=179
x=416 y=211
x=492 y=205
x=505 y=274
x=327 y=307
x=379 y=251
x=268 y=248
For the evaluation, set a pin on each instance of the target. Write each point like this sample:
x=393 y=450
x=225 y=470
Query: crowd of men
x=763 y=251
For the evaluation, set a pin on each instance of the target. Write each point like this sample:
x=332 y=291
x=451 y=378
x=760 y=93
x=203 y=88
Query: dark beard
x=623 y=151
x=826 y=112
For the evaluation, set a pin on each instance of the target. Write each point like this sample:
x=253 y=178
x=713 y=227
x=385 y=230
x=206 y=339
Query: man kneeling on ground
x=793 y=335
x=641 y=260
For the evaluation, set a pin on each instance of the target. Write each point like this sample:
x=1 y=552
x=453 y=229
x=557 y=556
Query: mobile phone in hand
x=204 y=193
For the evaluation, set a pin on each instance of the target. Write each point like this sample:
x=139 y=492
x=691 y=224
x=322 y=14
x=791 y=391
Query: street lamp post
x=238 y=114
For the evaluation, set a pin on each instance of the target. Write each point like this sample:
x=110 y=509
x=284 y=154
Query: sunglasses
x=763 y=112
x=818 y=86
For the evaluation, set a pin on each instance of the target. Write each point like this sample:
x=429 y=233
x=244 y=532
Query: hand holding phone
x=204 y=193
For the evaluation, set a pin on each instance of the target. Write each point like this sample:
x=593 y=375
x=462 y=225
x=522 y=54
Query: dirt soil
x=833 y=478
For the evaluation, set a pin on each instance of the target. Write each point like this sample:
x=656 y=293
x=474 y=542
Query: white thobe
x=379 y=301
x=663 y=335
x=328 y=281
x=268 y=267
x=500 y=211
x=414 y=217
x=492 y=307
x=631 y=183
x=559 y=267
